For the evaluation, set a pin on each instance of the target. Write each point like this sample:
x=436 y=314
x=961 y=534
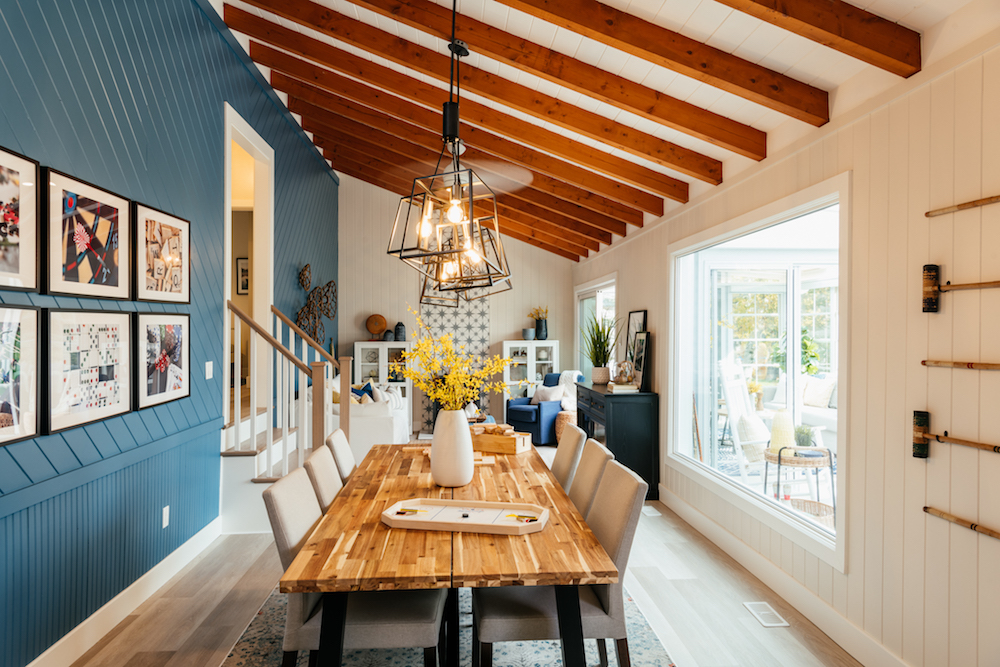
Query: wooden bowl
x=375 y=325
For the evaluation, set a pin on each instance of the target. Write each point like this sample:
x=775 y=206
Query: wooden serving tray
x=484 y=516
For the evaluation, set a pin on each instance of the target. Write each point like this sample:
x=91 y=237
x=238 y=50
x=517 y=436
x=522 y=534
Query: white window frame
x=830 y=549
x=582 y=291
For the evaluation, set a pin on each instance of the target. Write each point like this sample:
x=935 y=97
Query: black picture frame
x=242 y=281
x=636 y=323
x=21 y=173
x=147 y=284
x=147 y=370
x=53 y=205
x=641 y=361
x=26 y=426
x=64 y=403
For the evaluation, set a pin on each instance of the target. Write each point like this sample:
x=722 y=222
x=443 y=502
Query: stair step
x=246 y=415
x=261 y=443
x=293 y=463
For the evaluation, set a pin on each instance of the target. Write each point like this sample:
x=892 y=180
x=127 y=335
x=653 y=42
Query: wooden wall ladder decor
x=962 y=207
x=922 y=437
x=962 y=522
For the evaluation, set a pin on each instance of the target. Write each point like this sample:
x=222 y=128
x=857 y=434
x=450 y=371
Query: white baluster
x=269 y=414
x=236 y=376
x=283 y=410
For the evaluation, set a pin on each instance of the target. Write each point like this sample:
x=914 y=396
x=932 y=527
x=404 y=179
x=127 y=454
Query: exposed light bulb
x=473 y=255
x=455 y=212
x=425 y=228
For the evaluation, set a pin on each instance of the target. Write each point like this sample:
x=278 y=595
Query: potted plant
x=453 y=379
x=599 y=338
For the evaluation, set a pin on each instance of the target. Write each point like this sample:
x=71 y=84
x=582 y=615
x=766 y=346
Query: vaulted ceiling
x=584 y=116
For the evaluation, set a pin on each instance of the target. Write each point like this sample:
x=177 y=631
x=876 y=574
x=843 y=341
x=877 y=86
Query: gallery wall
x=129 y=95
x=917 y=590
x=380 y=283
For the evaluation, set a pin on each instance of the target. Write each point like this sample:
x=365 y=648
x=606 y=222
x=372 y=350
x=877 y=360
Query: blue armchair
x=540 y=419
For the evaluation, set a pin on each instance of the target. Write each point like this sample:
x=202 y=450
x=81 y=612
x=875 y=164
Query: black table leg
x=451 y=620
x=331 y=638
x=570 y=626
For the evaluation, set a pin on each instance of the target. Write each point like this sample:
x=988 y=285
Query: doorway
x=249 y=258
x=594 y=300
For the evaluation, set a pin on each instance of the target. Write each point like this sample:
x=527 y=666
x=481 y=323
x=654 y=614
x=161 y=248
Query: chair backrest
x=734 y=390
x=568 y=455
x=588 y=475
x=293 y=511
x=324 y=475
x=613 y=519
x=342 y=454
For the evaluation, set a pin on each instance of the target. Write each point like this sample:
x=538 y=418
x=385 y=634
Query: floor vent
x=649 y=510
x=766 y=614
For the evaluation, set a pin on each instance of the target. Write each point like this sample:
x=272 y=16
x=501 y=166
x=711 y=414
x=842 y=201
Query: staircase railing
x=280 y=410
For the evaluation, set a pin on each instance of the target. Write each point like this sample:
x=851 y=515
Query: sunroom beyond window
x=743 y=307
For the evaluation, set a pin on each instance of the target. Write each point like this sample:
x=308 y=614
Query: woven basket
x=820 y=512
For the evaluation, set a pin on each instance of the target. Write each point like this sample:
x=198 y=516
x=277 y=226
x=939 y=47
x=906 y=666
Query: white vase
x=600 y=375
x=451 y=449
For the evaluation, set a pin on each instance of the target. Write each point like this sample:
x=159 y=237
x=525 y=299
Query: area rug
x=260 y=645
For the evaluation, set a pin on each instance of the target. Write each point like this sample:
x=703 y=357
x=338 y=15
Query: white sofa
x=818 y=396
x=376 y=423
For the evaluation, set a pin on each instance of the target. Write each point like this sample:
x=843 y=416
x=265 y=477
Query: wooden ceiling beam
x=489 y=119
x=577 y=75
x=538 y=193
x=523 y=223
x=338 y=143
x=376 y=156
x=690 y=57
x=436 y=65
x=309 y=101
x=846 y=28
x=399 y=187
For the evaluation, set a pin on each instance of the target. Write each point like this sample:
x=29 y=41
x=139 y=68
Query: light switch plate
x=166 y=516
x=209 y=371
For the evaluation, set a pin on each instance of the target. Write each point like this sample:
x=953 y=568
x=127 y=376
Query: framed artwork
x=19 y=382
x=89 y=377
x=242 y=275
x=162 y=356
x=88 y=239
x=636 y=323
x=641 y=360
x=162 y=256
x=18 y=221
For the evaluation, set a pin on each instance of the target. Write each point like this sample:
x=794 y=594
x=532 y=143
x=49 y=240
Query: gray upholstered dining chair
x=324 y=475
x=383 y=619
x=588 y=475
x=528 y=613
x=568 y=455
x=341 y=449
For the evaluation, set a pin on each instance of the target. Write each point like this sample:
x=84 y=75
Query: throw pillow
x=366 y=399
x=752 y=429
x=335 y=390
x=358 y=390
x=544 y=393
x=395 y=398
x=818 y=392
x=379 y=395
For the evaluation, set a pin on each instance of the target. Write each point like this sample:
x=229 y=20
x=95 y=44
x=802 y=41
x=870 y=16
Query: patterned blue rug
x=260 y=645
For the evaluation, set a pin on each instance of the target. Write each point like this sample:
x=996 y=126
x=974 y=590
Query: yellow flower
x=447 y=375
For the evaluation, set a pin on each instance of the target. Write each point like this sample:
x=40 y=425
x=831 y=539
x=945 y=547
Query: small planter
x=541 y=329
x=600 y=375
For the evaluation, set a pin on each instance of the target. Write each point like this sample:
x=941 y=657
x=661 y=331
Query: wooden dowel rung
x=962 y=522
x=964 y=443
x=962 y=207
x=973 y=365
x=964 y=286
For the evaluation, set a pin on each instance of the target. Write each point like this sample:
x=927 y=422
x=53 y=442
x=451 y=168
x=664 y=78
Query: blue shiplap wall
x=128 y=94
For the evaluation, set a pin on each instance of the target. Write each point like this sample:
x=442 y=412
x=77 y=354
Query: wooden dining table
x=352 y=550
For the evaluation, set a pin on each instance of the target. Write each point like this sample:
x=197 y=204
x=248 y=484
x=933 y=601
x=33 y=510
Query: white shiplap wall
x=373 y=282
x=924 y=590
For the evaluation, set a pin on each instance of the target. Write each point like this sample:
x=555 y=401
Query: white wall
x=916 y=587
x=373 y=282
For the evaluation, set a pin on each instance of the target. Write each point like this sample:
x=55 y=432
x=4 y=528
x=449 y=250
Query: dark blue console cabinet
x=631 y=427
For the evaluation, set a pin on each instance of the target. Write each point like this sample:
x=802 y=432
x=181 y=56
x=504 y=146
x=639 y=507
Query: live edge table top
x=352 y=550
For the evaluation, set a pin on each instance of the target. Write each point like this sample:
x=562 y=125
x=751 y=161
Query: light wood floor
x=689 y=590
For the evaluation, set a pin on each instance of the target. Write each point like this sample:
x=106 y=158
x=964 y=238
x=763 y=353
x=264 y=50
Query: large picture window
x=756 y=336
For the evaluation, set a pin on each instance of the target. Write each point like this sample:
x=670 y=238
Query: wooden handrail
x=306 y=337
x=269 y=338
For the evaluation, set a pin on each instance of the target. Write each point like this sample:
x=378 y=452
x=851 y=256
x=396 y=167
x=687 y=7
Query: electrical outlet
x=166 y=516
x=208 y=370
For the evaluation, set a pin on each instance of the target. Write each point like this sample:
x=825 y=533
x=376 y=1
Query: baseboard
x=80 y=639
x=866 y=649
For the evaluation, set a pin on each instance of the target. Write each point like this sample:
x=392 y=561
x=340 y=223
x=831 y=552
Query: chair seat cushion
x=528 y=613
x=383 y=619
x=522 y=413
